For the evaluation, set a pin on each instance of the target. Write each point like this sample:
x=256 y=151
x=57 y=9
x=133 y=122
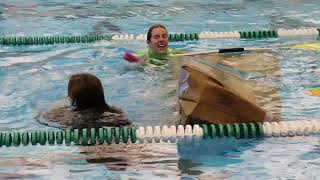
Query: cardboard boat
x=209 y=94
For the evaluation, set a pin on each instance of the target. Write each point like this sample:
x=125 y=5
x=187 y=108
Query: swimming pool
x=34 y=78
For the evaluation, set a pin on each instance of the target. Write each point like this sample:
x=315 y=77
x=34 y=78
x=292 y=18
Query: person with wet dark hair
x=88 y=106
x=85 y=91
x=158 y=52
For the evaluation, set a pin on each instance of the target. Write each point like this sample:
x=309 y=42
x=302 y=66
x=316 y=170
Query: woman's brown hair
x=86 y=91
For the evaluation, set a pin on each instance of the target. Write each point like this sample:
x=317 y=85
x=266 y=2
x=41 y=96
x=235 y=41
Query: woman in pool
x=157 y=52
x=88 y=106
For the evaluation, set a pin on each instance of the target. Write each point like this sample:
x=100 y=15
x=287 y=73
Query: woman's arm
x=140 y=58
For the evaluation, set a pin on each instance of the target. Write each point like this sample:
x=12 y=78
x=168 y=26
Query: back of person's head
x=86 y=91
x=149 y=33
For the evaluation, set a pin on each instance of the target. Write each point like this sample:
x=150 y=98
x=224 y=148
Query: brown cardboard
x=211 y=95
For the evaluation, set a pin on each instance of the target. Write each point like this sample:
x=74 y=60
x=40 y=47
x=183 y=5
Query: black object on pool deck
x=231 y=50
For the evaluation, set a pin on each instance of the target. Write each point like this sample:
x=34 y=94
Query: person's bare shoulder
x=58 y=117
x=117 y=116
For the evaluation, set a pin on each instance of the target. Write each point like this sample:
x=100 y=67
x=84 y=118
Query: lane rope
x=159 y=134
x=258 y=34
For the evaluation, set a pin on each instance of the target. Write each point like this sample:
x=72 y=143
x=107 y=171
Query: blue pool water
x=33 y=79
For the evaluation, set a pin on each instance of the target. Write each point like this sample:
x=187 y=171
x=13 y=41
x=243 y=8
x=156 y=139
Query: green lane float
x=256 y=34
x=46 y=40
x=150 y=134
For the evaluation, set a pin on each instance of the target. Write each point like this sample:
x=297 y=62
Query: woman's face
x=159 y=40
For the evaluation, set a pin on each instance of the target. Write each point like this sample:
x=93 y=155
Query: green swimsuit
x=157 y=59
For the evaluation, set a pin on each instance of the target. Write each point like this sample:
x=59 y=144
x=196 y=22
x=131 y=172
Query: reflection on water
x=159 y=159
x=187 y=158
x=192 y=158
